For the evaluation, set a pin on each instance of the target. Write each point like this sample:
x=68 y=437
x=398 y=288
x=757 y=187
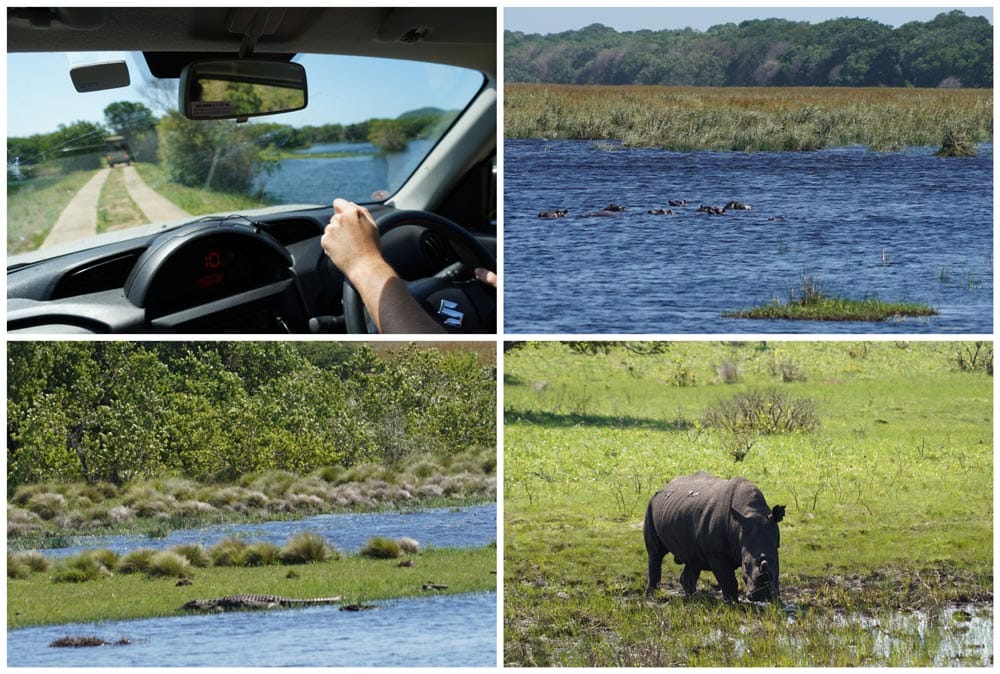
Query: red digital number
x=213 y=260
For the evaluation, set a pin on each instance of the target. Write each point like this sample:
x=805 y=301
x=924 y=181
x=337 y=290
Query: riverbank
x=49 y=515
x=745 y=119
x=37 y=600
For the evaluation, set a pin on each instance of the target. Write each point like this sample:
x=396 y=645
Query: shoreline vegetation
x=36 y=599
x=48 y=515
x=748 y=119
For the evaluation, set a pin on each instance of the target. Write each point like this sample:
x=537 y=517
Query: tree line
x=951 y=50
x=219 y=154
x=120 y=411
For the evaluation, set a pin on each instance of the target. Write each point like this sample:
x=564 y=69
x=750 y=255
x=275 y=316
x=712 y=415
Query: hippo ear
x=778 y=513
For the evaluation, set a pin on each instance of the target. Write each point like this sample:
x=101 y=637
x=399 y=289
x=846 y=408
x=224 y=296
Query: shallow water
x=906 y=226
x=446 y=631
x=473 y=526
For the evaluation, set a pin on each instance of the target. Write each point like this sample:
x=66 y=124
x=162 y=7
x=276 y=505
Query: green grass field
x=38 y=600
x=889 y=501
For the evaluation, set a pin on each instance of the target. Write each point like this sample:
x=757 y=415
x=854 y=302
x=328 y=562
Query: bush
x=47 y=505
x=762 y=412
x=228 y=552
x=380 y=548
x=787 y=370
x=305 y=548
x=105 y=557
x=78 y=569
x=728 y=372
x=975 y=357
x=23 y=564
x=210 y=155
x=168 y=564
x=195 y=553
x=136 y=561
x=261 y=553
x=17 y=567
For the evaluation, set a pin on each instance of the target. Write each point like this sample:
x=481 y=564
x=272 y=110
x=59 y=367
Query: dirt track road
x=79 y=219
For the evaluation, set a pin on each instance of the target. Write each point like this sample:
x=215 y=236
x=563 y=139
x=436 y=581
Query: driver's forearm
x=390 y=303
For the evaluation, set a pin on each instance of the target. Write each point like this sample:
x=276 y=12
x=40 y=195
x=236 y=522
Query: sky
x=40 y=93
x=557 y=19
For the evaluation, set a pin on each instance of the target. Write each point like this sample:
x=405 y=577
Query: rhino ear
x=778 y=513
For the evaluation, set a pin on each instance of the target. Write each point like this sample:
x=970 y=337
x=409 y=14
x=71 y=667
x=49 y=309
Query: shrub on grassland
x=380 y=548
x=305 y=548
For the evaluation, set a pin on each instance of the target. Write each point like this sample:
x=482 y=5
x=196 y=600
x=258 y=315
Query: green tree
x=129 y=118
x=387 y=135
x=217 y=155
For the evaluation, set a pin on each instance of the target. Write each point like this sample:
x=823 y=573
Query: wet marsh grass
x=889 y=502
x=748 y=119
x=36 y=600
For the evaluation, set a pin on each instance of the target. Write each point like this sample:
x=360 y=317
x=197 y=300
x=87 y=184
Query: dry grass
x=747 y=119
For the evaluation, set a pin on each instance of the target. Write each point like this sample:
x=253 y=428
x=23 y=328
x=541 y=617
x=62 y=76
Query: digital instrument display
x=213 y=267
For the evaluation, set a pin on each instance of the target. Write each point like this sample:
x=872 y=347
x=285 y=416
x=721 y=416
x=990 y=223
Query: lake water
x=319 y=181
x=905 y=226
x=473 y=526
x=444 y=631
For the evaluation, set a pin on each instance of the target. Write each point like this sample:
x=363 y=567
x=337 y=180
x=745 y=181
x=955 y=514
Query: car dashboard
x=214 y=275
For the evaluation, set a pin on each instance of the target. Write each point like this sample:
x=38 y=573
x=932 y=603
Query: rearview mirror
x=241 y=88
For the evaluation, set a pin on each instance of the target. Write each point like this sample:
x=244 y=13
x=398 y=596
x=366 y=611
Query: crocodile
x=241 y=602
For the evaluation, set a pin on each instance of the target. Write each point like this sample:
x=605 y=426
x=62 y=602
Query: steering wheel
x=452 y=296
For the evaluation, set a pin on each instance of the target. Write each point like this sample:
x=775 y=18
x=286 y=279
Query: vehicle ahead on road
x=399 y=115
x=117 y=151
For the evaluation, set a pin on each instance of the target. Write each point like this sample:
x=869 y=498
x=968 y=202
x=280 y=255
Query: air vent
x=293 y=230
x=106 y=274
x=437 y=250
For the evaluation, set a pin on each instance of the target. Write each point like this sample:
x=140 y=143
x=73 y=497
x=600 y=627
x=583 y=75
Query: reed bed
x=748 y=119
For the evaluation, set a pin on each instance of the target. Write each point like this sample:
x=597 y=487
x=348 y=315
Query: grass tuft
x=380 y=548
x=168 y=564
x=306 y=548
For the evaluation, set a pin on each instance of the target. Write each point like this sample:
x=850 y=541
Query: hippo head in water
x=759 y=542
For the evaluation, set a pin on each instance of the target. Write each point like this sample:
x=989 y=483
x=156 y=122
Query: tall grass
x=747 y=119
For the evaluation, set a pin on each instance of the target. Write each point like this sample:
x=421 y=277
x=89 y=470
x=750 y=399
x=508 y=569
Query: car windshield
x=79 y=164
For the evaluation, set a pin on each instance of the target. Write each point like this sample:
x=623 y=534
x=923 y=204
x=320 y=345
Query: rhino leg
x=725 y=575
x=655 y=569
x=656 y=551
x=689 y=578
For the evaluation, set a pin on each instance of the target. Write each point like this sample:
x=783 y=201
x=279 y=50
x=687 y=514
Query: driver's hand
x=351 y=240
x=486 y=276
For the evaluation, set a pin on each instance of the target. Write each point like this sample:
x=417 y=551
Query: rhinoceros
x=708 y=523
